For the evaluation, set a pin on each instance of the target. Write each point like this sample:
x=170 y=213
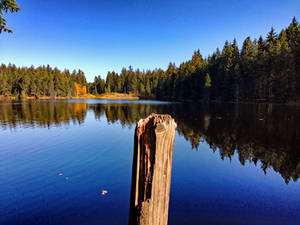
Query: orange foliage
x=80 y=108
x=80 y=90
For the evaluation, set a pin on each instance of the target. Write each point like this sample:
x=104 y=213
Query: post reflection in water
x=269 y=134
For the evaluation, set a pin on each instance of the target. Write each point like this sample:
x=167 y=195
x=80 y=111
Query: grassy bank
x=109 y=96
x=118 y=96
x=121 y=96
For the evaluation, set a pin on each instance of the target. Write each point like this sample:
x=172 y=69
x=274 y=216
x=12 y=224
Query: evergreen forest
x=262 y=70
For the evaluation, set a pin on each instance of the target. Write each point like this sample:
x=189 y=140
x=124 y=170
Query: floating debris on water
x=67 y=178
x=60 y=174
x=104 y=192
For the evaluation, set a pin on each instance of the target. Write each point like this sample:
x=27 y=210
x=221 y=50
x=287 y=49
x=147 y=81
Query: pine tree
x=247 y=67
x=7 y=6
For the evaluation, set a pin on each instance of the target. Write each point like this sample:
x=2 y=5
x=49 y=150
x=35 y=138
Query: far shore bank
x=120 y=96
x=112 y=96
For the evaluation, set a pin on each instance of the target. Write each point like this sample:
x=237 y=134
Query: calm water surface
x=232 y=164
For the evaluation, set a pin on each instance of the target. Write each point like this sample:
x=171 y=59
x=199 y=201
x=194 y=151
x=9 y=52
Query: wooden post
x=151 y=170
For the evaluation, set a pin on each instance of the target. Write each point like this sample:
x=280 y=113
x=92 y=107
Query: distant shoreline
x=121 y=96
x=112 y=96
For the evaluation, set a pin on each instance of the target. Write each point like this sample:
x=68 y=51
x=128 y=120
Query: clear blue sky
x=99 y=36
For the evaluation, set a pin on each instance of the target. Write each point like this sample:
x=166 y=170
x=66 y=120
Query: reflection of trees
x=126 y=114
x=43 y=114
x=257 y=133
x=265 y=134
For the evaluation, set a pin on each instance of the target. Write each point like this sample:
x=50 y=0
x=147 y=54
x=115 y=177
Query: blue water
x=91 y=143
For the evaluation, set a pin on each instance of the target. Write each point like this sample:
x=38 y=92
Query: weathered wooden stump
x=151 y=170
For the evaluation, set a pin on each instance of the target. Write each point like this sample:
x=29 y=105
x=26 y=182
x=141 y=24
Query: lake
x=232 y=164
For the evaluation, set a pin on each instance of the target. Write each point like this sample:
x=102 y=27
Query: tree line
x=41 y=81
x=262 y=70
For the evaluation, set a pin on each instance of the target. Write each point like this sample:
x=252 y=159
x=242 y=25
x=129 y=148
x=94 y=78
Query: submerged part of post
x=151 y=170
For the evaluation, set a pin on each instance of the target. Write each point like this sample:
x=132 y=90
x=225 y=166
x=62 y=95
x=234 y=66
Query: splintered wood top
x=158 y=122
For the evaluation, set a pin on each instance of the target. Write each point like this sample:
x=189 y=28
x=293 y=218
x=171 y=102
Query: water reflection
x=41 y=114
x=268 y=135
